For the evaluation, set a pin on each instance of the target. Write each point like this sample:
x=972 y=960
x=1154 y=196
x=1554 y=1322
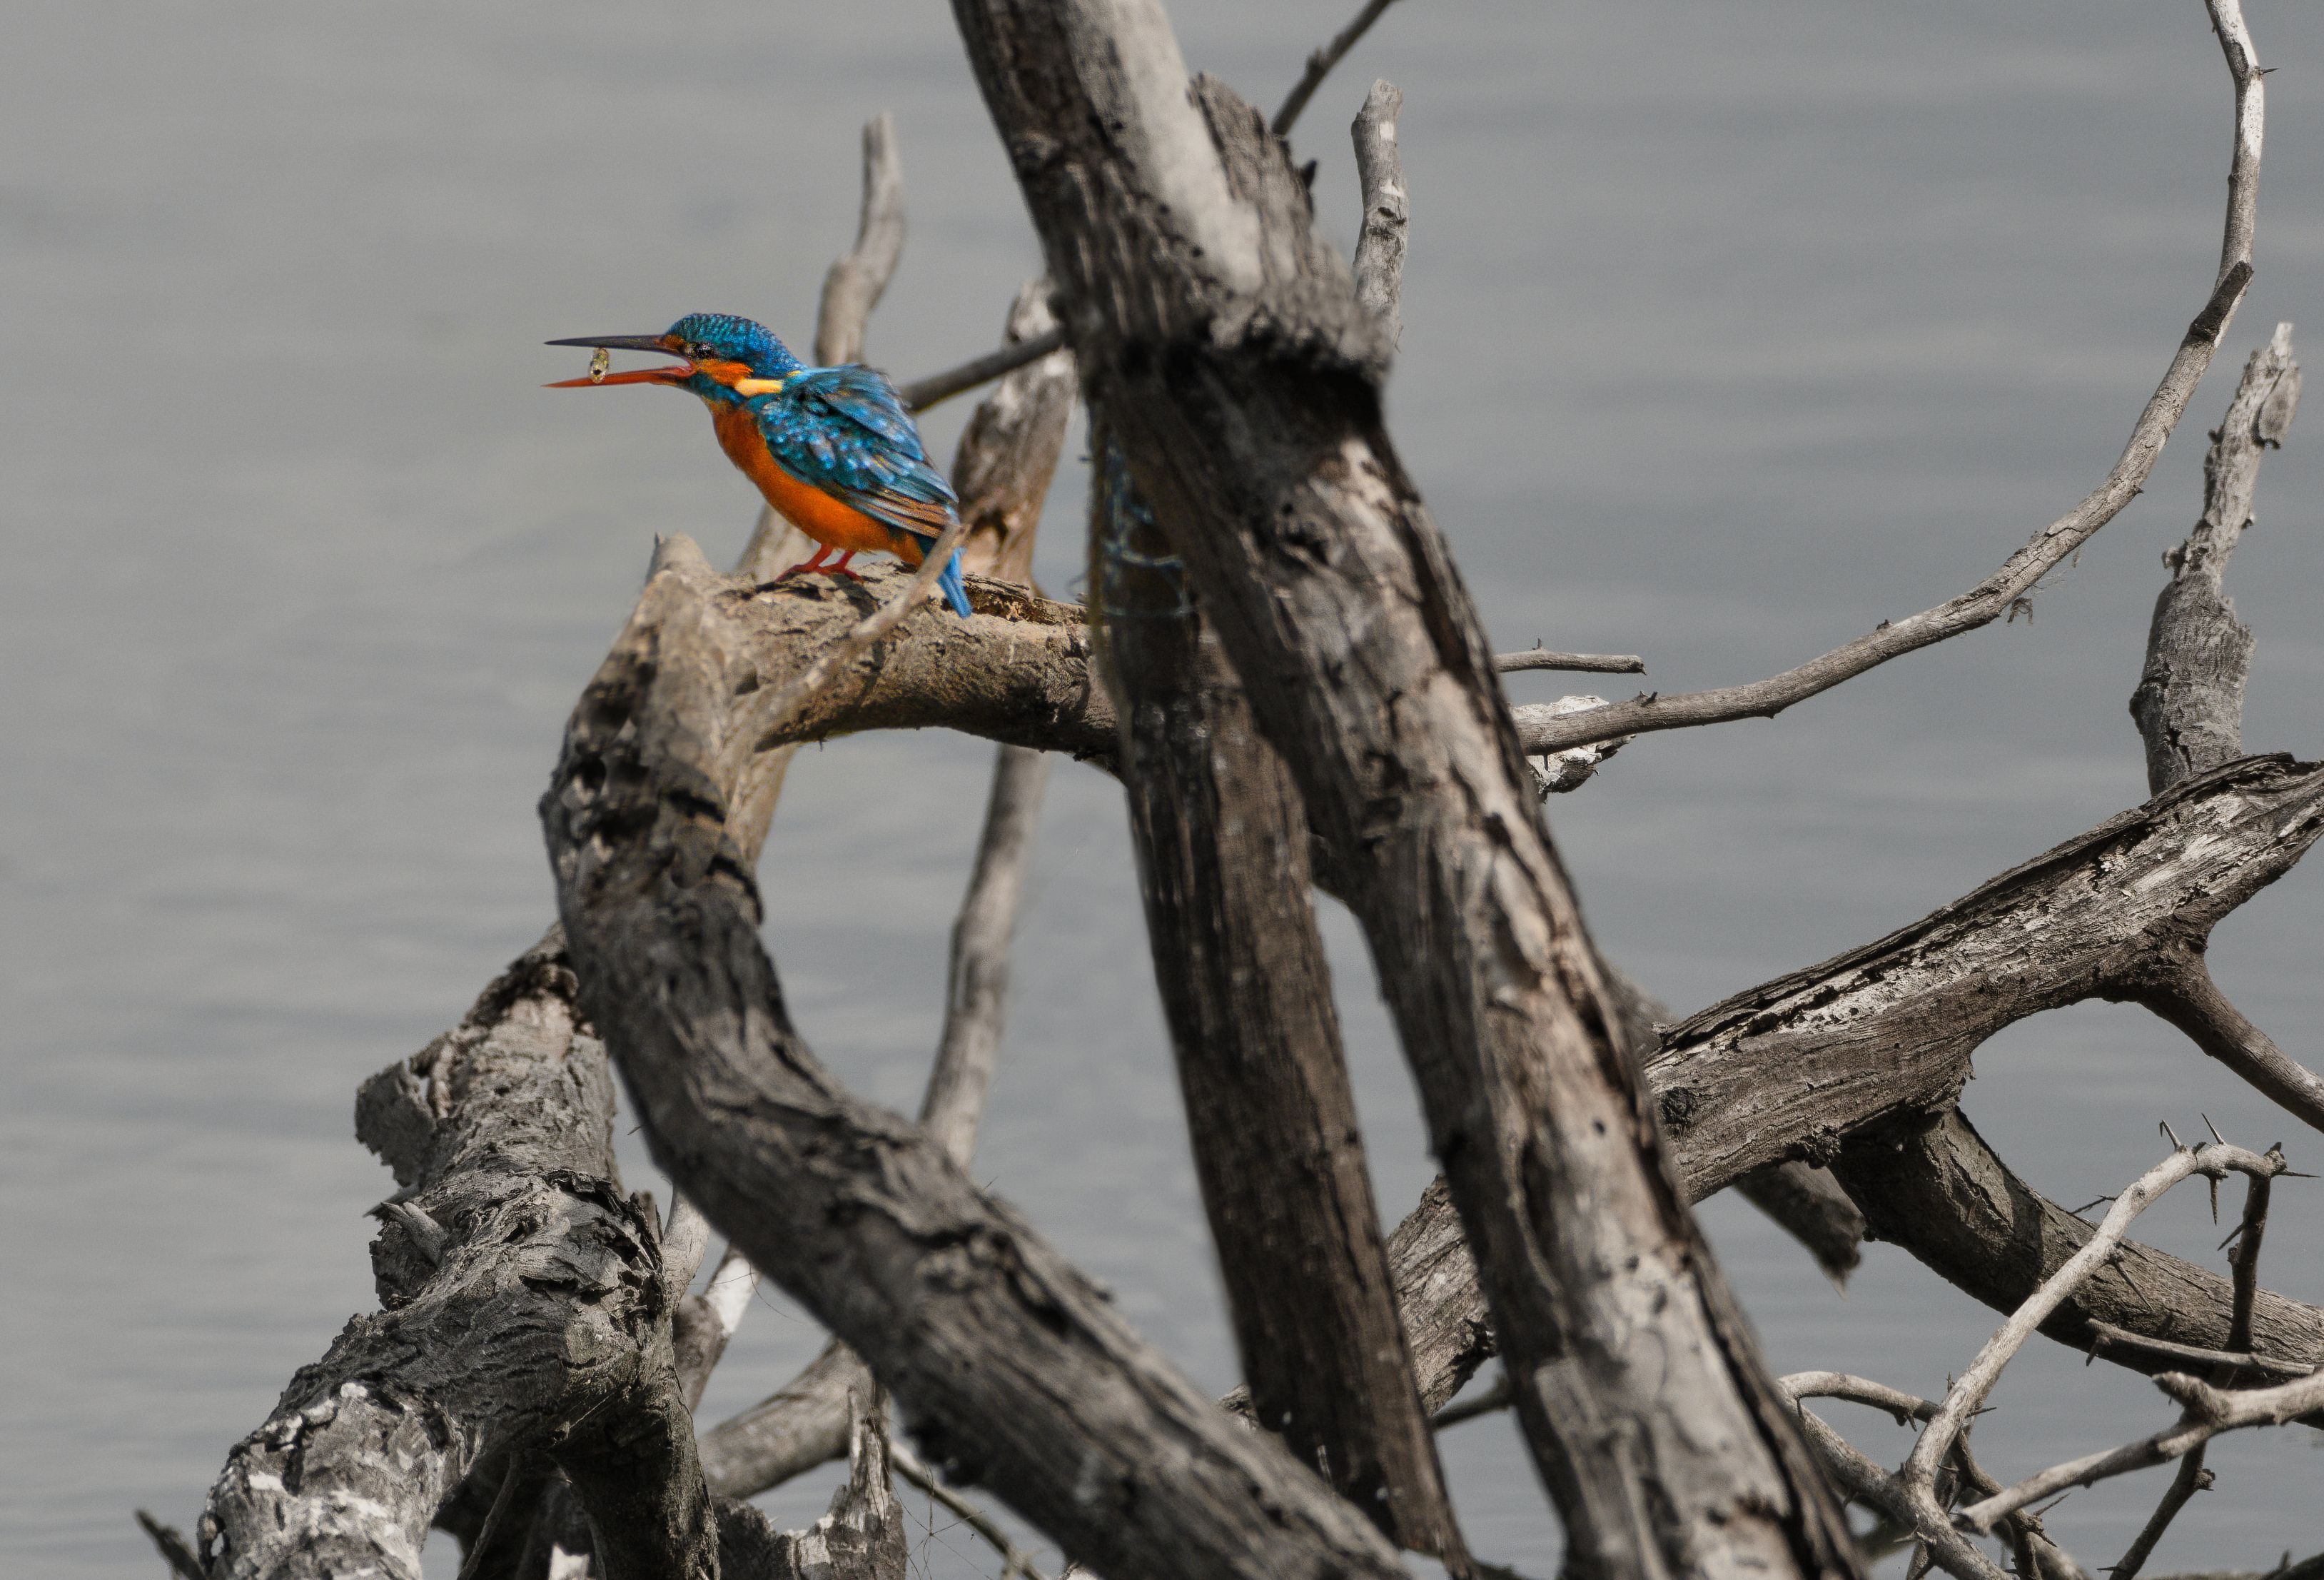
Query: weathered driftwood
x=2189 y=701
x=1222 y=846
x=525 y=1311
x=2017 y=576
x=1011 y=1368
x=1223 y=344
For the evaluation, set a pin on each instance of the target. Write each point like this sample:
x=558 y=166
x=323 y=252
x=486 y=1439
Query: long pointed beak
x=656 y=344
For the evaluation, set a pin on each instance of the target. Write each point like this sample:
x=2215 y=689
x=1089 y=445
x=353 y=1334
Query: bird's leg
x=814 y=561
x=839 y=567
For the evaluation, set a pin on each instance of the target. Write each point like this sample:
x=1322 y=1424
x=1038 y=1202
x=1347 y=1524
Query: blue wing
x=845 y=430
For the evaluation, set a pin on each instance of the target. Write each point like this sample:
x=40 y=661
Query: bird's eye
x=699 y=352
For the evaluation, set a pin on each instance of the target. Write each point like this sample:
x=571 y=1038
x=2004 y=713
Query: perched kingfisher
x=833 y=448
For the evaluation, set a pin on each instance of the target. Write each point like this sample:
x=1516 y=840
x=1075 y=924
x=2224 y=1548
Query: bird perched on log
x=833 y=448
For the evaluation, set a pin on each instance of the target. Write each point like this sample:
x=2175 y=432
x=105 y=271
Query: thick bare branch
x=1222 y=842
x=2189 y=701
x=1222 y=342
x=1792 y=1066
x=2048 y=547
x=1011 y=1369
x=526 y=1306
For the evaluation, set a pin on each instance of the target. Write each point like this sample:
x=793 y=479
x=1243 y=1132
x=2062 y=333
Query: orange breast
x=803 y=504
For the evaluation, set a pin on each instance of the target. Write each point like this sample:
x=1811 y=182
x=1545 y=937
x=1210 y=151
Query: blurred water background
x=1730 y=332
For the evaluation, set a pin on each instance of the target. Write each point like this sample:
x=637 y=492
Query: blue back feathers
x=843 y=429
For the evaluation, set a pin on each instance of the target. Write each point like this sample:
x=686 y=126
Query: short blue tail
x=955 y=591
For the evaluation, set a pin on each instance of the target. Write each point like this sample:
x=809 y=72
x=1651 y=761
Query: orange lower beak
x=636 y=375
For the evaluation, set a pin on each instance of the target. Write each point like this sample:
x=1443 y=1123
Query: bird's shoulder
x=847 y=427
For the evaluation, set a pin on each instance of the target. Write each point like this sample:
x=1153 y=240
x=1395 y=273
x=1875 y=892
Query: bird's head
x=721 y=358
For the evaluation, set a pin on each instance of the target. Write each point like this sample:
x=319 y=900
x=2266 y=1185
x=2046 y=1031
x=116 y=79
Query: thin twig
x=1014 y=1560
x=2048 y=547
x=2108 y=1336
x=2191 y=1479
x=2025 y=1531
x=922 y=393
x=175 y=1549
x=1379 y=245
x=1320 y=64
x=976 y=991
x=2205 y=1412
x=1588 y=663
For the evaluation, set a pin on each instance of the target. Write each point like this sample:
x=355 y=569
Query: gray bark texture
x=525 y=1308
x=1222 y=342
x=1011 y=1368
x=1222 y=845
x=2189 y=701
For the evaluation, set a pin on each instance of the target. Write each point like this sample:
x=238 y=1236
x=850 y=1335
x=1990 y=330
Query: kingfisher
x=832 y=448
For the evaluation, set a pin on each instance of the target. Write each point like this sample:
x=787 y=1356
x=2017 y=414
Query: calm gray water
x=1731 y=331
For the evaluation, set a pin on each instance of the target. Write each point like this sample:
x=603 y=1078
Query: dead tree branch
x=1011 y=1369
x=1380 y=246
x=1799 y=1062
x=1222 y=343
x=1967 y=1395
x=1931 y=1185
x=1008 y=452
x=538 y=1319
x=859 y=276
x=2048 y=547
x=1222 y=844
x=1591 y=663
x=923 y=392
x=2189 y=701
